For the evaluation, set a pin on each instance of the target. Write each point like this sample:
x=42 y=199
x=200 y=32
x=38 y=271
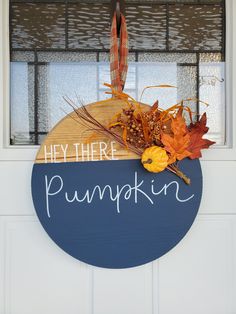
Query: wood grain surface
x=70 y=134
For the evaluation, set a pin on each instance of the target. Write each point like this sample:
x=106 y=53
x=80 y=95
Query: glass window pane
x=72 y=80
x=22 y=109
x=37 y=25
x=195 y=27
x=61 y=48
x=146 y=25
x=88 y=25
x=212 y=90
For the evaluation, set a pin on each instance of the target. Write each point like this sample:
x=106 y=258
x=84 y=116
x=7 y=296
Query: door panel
x=123 y=291
x=195 y=277
x=38 y=276
x=198 y=276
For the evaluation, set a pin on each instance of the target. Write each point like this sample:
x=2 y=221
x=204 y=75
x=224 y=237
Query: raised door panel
x=198 y=277
x=38 y=277
x=123 y=291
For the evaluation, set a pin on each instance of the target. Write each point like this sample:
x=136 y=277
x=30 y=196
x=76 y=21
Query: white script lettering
x=116 y=194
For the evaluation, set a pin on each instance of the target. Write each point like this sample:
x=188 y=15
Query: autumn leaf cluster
x=159 y=137
x=185 y=141
x=164 y=128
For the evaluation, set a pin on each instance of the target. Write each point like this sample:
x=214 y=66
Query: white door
x=196 y=277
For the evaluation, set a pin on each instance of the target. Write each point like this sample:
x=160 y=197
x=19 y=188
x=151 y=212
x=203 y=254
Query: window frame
x=28 y=152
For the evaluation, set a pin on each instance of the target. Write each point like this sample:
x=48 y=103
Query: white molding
x=155 y=287
x=4 y=78
x=2 y=266
x=28 y=153
x=76 y=276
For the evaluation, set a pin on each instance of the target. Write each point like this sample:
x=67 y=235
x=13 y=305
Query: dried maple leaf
x=176 y=146
x=196 y=132
x=177 y=143
x=178 y=124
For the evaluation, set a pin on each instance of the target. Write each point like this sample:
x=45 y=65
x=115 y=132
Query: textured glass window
x=61 y=48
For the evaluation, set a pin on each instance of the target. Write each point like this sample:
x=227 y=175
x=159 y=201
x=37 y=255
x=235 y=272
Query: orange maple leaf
x=176 y=146
x=178 y=124
x=177 y=143
x=196 y=132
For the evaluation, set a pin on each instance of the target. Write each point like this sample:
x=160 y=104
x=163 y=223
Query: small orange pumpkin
x=155 y=159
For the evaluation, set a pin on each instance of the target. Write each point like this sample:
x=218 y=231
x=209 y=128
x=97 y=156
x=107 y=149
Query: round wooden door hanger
x=98 y=203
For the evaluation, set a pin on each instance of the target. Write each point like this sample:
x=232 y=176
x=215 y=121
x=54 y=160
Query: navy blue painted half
x=115 y=214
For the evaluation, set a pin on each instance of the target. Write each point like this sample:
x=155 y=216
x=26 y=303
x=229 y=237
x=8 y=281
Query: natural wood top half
x=71 y=141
